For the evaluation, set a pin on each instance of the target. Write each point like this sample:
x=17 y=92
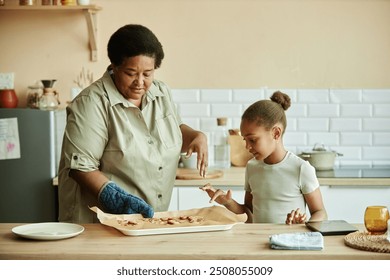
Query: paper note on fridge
x=9 y=139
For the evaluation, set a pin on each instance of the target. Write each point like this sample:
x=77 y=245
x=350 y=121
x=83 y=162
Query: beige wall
x=213 y=43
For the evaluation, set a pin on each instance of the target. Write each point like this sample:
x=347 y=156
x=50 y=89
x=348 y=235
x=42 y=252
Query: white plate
x=137 y=232
x=48 y=231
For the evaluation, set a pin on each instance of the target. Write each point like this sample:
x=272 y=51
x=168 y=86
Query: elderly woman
x=124 y=137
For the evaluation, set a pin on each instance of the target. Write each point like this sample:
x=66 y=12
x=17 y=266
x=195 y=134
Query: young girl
x=278 y=184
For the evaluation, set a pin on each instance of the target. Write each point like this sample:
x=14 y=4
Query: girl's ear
x=277 y=132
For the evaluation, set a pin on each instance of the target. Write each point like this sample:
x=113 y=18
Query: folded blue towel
x=297 y=241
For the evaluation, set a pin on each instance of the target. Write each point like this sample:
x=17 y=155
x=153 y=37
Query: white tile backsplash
x=313 y=96
x=226 y=110
x=356 y=139
x=344 y=124
x=376 y=124
x=297 y=110
x=381 y=110
x=247 y=95
x=376 y=96
x=323 y=110
x=326 y=138
x=381 y=139
x=216 y=95
x=348 y=153
x=340 y=96
x=354 y=122
x=292 y=124
x=193 y=109
x=186 y=95
x=295 y=138
x=313 y=124
x=356 y=110
x=376 y=153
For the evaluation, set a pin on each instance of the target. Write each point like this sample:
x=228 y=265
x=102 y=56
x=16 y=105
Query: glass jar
x=34 y=93
x=221 y=145
x=49 y=99
x=375 y=219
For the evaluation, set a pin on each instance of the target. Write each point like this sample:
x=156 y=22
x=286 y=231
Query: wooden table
x=243 y=241
x=235 y=176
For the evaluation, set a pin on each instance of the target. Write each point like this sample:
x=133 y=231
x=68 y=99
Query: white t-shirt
x=278 y=188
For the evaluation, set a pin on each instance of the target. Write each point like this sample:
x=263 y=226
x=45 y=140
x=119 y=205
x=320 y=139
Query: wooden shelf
x=49 y=8
x=90 y=13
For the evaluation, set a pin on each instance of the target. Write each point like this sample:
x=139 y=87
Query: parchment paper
x=214 y=215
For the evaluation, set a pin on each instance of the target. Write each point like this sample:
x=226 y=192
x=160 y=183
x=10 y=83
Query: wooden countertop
x=243 y=241
x=235 y=176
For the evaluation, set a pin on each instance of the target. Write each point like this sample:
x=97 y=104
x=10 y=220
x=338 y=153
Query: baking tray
x=172 y=230
x=215 y=218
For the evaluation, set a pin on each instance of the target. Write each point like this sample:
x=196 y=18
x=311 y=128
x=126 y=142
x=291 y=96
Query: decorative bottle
x=221 y=145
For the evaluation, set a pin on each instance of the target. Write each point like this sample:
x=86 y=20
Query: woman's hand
x=199 y=146
x=196 y=142
x=296 y=217
x=218 y=195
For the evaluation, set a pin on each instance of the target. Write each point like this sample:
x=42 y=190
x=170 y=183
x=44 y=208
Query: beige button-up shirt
x=136 y=148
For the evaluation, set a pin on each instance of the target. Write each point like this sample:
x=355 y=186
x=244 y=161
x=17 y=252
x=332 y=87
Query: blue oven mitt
x=117 y=201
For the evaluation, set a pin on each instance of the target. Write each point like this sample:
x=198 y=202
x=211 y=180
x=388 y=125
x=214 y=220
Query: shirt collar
x=115 y=97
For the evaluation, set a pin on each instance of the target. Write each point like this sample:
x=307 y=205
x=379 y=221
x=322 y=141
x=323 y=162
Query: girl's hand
x=295 y=217
x=217 y=195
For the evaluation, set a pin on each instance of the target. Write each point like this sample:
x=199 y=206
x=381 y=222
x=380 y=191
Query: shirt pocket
x=169 y=131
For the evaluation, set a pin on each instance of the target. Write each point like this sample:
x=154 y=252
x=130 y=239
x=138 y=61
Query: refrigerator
x=30 y=145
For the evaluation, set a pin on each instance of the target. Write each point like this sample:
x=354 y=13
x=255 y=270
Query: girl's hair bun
x=282 y=99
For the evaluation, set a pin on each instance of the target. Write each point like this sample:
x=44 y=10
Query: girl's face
x=134 y=77
x=260 y=142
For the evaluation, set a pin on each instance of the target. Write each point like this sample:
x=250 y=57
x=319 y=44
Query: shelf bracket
x=91 y=18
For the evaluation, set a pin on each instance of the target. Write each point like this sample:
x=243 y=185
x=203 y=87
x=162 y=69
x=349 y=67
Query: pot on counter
x=320 y=158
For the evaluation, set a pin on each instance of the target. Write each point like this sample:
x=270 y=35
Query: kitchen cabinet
x=193 y=197
x=349 y=202
x=345 y=198
x=173 y=205
x=341 y=202
x=90 y=13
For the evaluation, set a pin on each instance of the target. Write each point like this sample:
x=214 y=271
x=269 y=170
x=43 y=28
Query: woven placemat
x=364 y=241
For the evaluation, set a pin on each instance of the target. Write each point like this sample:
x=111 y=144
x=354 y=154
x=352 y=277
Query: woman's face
x=259 y=141
x=134 y=77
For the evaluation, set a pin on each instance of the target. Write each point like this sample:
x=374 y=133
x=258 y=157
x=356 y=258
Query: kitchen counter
x=346 y=176
x=243 y=241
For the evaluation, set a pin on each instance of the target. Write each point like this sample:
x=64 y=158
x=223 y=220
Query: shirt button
x=150 y=141
x=160 y=168
x=75 y=157
x=159 y=195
